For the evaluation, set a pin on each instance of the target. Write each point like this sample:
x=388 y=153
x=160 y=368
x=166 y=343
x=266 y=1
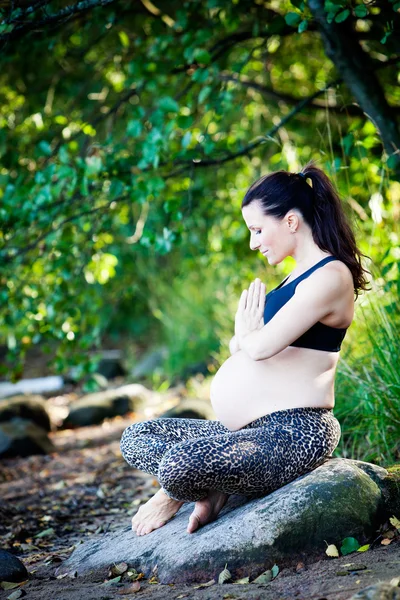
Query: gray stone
x=38 y=385
x=21 y=437
x=383 y=590
x=191 y=408
x=94 y=408
x=32 y=408
x=340 y=498
x=11 y=568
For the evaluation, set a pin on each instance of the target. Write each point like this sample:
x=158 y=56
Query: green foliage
x=124 y=160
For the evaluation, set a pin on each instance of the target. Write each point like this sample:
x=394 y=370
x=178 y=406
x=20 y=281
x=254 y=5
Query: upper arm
x=311 y=302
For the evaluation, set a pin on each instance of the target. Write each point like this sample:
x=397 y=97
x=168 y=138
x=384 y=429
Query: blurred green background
x=129 y=135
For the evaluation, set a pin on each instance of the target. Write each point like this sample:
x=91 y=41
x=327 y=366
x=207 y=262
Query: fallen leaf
x=225 y=575
x=275 y=571
x=243 y=580
x=9 y=585
x=395 y=522
x=386 y=542
x=332 y=550
x=203 y=585
x=119 y=569
x=47 y=532
x=265 y=577
x=17 y=594
x=300 y=567
x=112 y=581
x=130 y=589
x=363 y=548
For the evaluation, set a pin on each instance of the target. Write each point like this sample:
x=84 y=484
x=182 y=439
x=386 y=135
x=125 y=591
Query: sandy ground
x=48 y=504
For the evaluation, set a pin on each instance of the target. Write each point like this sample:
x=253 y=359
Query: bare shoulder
x=341 y=272
x=331 y=284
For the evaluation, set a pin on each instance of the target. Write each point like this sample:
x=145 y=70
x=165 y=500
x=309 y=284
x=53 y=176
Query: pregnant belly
x=243 y=390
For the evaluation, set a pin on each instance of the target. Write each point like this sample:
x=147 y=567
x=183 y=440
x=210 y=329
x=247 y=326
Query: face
x=269 y=235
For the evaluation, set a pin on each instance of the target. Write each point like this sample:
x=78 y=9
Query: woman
x=274 y=396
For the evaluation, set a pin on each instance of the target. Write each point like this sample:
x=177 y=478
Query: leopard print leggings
x=191 y=456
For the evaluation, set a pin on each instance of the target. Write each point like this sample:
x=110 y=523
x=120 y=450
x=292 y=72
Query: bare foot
x=206 y=510
x=155 y=513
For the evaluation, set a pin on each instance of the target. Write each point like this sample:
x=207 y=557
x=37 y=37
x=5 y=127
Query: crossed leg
x=207 y=468
x=144 y=444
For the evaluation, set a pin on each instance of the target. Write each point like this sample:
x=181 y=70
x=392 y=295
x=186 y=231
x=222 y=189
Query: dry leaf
x=332 y=550
x=300 y=567
x=395 y=522
x=202 y=585
x=243 y=580
x=119 y=569
x=386 y=542
x=225 y=575
x=9 y=585
x=265 y=577
x=130 y=589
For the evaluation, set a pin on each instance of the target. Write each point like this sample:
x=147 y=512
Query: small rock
x=11 y=568
x=20 y=437
x=94 y=408
x=32 y=408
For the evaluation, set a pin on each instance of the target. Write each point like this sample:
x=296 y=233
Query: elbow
x=262 y=354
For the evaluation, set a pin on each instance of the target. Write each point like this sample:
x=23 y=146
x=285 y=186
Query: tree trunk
x=357 y=69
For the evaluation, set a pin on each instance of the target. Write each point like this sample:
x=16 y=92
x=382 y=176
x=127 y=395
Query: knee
x=129 y=434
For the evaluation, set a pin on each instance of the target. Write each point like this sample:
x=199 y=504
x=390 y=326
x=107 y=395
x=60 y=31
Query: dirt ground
x=49 y=504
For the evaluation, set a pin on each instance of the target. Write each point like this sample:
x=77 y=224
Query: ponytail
x=321 y=208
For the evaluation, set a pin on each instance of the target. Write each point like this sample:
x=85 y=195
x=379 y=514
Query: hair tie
x=302 y=175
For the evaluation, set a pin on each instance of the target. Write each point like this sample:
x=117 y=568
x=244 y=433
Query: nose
x=254 y=246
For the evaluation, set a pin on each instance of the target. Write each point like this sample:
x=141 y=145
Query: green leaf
x=168 y=104
x=303 y=26
x=186 y=139
x=204 y=93
x=393 y=161
x=134 y=128
x=349 y=545
x=342 y=15
x=202 y=56
x=123 y=36
x=292 y=19
x=298 y=4
x=361 y=11
x=45 y=147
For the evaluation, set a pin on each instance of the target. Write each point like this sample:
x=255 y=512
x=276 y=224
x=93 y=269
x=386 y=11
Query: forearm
x=234 y=345
x=249 y=343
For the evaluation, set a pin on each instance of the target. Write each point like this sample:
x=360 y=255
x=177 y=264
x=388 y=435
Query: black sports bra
x=319 y=336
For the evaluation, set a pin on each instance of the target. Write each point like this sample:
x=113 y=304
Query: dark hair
x=321 y=208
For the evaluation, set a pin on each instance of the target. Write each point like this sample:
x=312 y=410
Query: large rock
x=32 y=408
x=341 y=498
x=384 y=590
x=94 y=408
x=11 y=568
x=191 y=408
x=21 y=437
